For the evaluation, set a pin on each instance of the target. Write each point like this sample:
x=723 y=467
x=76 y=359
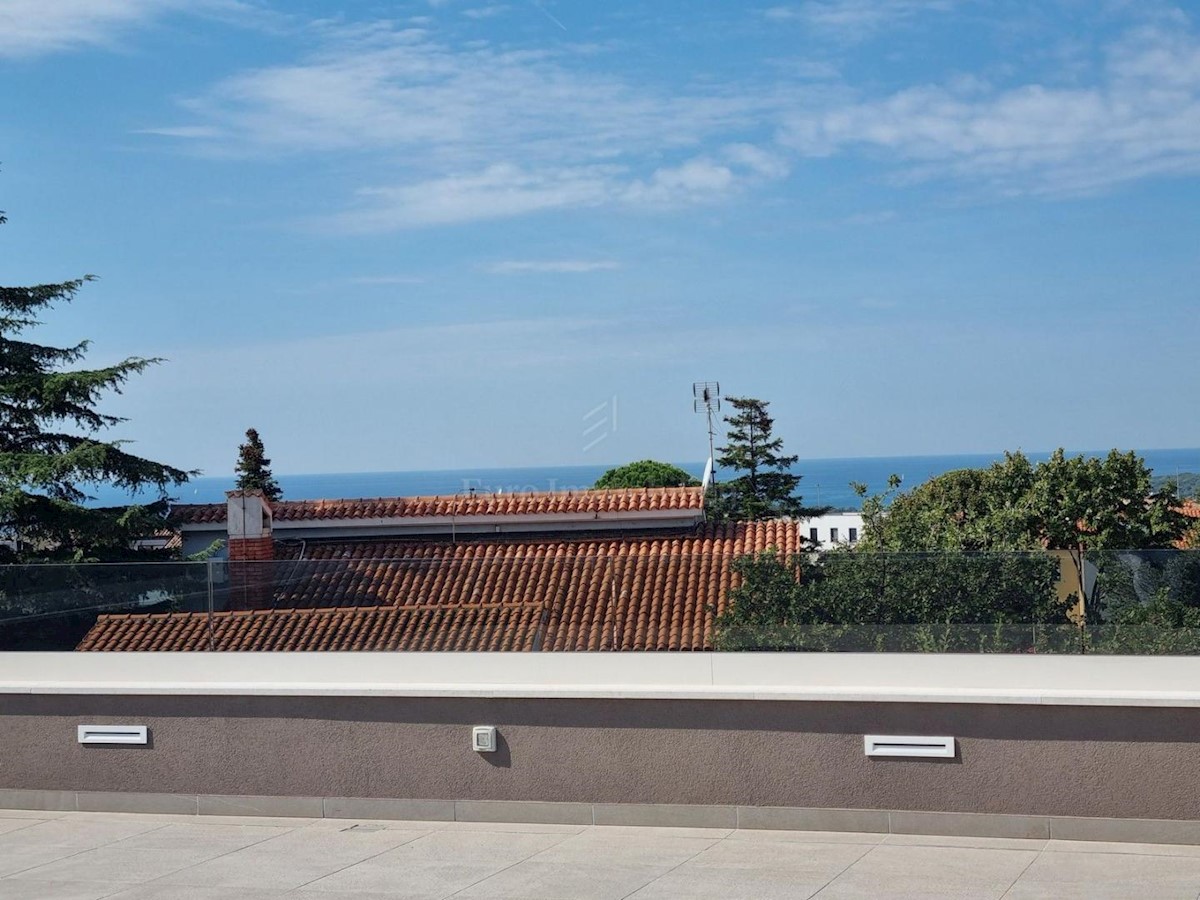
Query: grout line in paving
x=363 y=860
x=506 y=868
x=77 y=852
x=1050 y=849
x=219 y=855
x=39 y=865
x=1021 y=874
x=431 y=828
x=119 y=889
x=32 y=822
x=870 y=848
x=673 y=868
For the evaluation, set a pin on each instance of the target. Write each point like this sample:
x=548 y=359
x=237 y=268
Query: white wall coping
x=845 y=677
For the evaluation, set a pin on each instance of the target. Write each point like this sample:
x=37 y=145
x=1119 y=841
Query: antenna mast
x=706 y=398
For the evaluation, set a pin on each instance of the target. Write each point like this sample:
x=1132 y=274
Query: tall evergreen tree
x=51 y=446
x=254 y=469
x=766 y=486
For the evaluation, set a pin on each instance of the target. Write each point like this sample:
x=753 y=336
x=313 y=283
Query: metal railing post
x=212 y=641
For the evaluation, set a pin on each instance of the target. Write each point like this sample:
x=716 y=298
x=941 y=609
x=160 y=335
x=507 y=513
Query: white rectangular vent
x=114 y=734
x=908 y=745
x=483 y=738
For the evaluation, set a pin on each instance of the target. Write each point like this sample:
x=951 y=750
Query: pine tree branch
x=16 y=303
x=88 y=462
x=20 y=356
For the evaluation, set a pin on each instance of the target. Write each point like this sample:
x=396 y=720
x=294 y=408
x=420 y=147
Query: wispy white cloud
x=379 y=88
x=386 y=280
x=447 y=134
x=30 y=28
x=1142 y=119
x=189 y=132
x=695 y=180
x=486 y=12
x=34 y=27
x=471 y=132
x=807 y=69
x=765 y=163
x=496 y=192
x=505 y=190
x=854 y=19
x=781 y=13
x=553 y=266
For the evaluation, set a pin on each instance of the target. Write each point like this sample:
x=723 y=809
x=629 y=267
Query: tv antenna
x=706 y=398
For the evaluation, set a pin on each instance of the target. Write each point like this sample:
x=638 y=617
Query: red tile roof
x=482 y=627
x=531 y=503
x=646 y=593
x=1190 y=540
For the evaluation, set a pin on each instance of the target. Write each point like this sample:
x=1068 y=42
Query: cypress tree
x=254 y=469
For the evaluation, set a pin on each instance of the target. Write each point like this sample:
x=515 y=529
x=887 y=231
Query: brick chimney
x=251 y=550
x=248 y=523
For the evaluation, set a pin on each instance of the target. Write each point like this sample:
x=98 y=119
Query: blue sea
x=826 y=482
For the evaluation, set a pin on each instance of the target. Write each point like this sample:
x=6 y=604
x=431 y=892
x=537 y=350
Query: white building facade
x=833 y=529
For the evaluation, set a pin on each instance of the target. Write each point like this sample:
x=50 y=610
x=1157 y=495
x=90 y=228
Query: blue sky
x=459 y=233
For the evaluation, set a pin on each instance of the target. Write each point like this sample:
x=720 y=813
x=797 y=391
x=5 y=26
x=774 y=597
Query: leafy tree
x=51 y=444
x=1150 y=602
x=980 y=578
x=254 y=469
x=965 y=510
x=1084 y=505
x=1065 y=503
x=766 y=596
x=1191 y=537
x=766 y=486
x=646 y=473
x=866 y=601
x=1080 y=505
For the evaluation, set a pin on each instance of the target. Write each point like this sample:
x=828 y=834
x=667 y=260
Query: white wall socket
x=483 y=738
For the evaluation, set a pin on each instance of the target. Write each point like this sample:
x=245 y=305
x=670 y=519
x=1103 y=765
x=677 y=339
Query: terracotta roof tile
x=646 y=593
x=481 y=627
x=532 y=503
x=1190 y=540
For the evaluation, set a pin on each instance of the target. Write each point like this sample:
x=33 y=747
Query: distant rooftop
x=623 y=592
x=589 y=502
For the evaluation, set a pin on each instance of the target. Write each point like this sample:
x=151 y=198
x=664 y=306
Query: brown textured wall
x=1037 y=760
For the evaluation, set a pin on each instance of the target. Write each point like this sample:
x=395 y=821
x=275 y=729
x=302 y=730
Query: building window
x=853 y=535
x=812 y=535
x=833 y=535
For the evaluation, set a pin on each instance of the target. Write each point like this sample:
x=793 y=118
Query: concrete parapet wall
x=1015 y=760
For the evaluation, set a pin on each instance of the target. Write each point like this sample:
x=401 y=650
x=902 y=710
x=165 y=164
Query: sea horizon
x=824 y=481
